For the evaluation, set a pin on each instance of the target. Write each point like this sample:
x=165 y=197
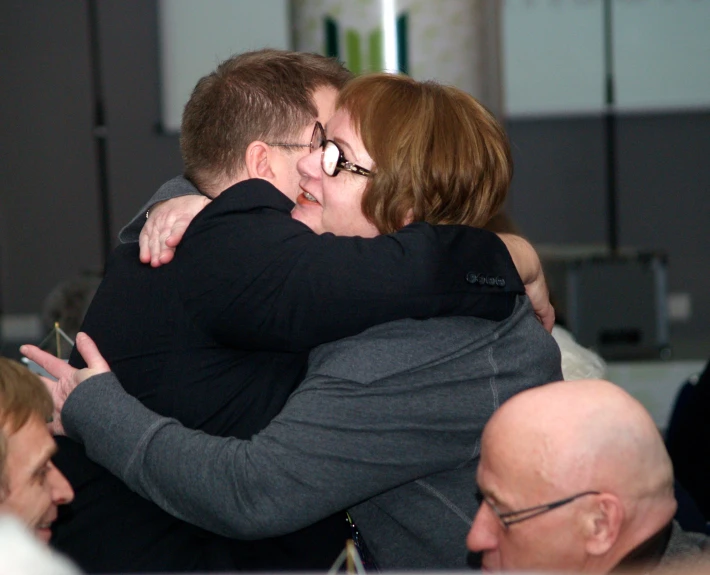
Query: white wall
x=196 y=35
x=553 y=55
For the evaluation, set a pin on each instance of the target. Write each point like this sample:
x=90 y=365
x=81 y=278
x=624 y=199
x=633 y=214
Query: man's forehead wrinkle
x=549 y=450
x=547 y=460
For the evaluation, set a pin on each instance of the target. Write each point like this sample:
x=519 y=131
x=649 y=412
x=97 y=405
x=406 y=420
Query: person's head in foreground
x=253 y=118
x=573 y=477
x=398 y=151
x=22 y=554
x=31 y=487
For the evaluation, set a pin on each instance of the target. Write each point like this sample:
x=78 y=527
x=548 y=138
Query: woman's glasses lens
x=330 y=158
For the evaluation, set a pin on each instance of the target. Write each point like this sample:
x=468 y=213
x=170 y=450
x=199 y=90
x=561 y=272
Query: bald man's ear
x=258 y=161
x=603 y=524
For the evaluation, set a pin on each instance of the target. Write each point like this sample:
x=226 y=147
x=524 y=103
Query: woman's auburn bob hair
x=439 y=155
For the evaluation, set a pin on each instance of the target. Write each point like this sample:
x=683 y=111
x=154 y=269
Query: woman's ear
x=258 y=161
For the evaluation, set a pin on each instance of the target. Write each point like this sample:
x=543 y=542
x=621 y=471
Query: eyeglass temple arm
x=350 y=167
x=540 y=509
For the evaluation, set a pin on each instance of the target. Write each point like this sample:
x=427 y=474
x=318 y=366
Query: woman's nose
x=309 y=165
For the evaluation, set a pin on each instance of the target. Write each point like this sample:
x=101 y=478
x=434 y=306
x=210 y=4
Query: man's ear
x=258 y=161
x=603 y=524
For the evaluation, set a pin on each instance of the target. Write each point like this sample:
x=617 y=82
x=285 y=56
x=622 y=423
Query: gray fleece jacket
x=386 y=423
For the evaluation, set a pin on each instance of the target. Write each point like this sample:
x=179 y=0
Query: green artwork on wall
x=373 y=61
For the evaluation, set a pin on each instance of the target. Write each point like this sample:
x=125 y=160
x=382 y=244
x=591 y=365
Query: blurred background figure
x=22 y=554
x=66 y=307
x=688 y=439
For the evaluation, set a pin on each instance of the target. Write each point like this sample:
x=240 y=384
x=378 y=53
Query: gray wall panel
x=557 y=193
x=48 y=206
x=140 y=157
x=664 y=202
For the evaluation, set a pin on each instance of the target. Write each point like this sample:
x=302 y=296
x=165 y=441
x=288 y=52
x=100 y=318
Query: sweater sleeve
x=317 y=457
x=254 y=278
x=174 y=188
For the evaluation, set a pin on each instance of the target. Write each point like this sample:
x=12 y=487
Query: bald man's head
x=589 y=439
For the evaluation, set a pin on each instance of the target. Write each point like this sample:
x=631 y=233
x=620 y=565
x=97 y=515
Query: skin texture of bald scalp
x=557 y=441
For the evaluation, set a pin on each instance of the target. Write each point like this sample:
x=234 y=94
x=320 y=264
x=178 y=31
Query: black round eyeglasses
x=332 y=159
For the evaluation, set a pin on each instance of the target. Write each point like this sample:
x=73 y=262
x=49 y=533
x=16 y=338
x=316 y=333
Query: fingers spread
x=53 y=365
x=91 y=354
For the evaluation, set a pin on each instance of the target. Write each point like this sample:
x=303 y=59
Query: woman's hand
x=539 y=296
x=165 y=225
x=527 y=262
x=68 y=377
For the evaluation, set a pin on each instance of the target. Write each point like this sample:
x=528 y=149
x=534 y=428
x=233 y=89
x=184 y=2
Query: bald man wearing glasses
x=575 y=477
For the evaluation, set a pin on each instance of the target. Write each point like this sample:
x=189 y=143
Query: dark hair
x=263 y=95
x=439 y=155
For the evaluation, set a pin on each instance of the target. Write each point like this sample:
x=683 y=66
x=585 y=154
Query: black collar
x=648 y=554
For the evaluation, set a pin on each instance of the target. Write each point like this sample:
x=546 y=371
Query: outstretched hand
x=68 y=377
x=165 y=227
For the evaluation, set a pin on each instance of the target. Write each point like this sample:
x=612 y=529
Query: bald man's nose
x=483 y=533
x=61 y=491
